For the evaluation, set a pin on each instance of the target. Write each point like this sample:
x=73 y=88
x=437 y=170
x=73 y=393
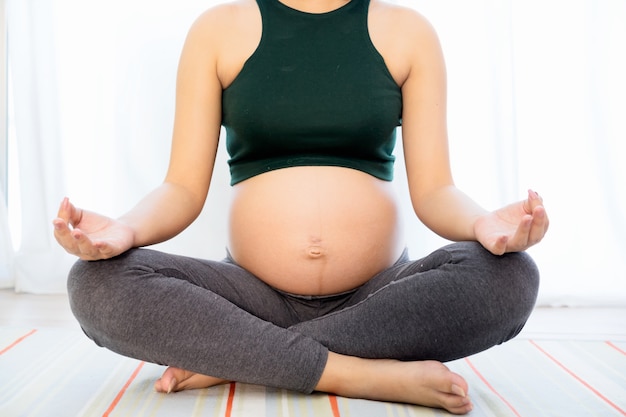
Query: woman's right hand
x=90 y=236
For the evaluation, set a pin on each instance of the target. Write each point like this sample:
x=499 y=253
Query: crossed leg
x=467 y=297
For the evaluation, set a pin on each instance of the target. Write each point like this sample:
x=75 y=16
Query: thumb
x=498 y=247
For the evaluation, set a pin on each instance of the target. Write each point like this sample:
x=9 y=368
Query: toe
x=457 y=405
x=169 y=380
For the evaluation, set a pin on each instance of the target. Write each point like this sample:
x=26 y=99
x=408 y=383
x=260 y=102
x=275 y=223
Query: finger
x=519 y=241
x=88 y=249
x=102 y=250
x=539 y=225
x=63 y=236
x=499 y=246
x=70 y=213
x=84 y=246
x=61 y=225
x=534 y=200
x=75 y=214
x=65 y=210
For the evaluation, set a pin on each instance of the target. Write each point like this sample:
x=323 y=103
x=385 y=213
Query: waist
x=314 y=230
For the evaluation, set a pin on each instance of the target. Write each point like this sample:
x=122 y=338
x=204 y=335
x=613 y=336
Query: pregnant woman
x=316 y=292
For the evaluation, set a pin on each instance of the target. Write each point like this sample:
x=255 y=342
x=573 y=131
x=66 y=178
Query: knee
x=99 y=292
x=79 y=275
x=523 y=277
x=85 y=279
x=514 y=274
x=515 y=285
x=86 y=283
x=90 y=283
x=78 y=281
x=510 y=282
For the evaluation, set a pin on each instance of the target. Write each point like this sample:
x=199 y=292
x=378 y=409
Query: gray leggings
x=217 y=319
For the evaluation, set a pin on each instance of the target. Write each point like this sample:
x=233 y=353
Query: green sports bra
x=314 y=93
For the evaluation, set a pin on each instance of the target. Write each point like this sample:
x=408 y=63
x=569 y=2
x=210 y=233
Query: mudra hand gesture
x=513 y=228
x=90 y=236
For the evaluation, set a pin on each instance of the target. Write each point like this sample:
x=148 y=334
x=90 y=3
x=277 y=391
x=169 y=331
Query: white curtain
x=7 y=279
x=536 y=100
x=39 y=264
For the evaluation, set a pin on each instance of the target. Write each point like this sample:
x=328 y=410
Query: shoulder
x=406 y=38
x=222 y=20
x=401 y=20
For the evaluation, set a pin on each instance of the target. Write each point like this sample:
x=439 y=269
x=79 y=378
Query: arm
x=438 y=203
x=177 y=202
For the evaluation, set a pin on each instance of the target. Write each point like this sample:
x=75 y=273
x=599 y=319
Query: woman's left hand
x=513 y=228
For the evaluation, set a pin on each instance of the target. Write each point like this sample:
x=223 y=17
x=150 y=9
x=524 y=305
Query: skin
x=218 y=44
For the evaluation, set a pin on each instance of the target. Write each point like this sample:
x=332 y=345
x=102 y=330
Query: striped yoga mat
x=60 y=373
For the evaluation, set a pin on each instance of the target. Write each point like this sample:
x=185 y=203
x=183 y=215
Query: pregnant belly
x=314 y=230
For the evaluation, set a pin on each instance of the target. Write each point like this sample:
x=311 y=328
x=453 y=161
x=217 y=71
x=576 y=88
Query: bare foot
x=427 y=383
x=176 y=379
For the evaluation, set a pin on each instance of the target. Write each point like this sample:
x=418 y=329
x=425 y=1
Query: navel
x=315 y=252
x=315 y=247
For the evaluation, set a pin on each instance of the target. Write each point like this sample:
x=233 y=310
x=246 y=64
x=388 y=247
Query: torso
x=312 y=230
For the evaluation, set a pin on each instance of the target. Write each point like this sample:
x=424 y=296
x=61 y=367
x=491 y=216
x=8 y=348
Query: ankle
x=354 y=377
x=341 y=374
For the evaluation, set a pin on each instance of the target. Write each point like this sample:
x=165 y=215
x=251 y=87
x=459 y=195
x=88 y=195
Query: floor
x=561 y=323
x=569 y=361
